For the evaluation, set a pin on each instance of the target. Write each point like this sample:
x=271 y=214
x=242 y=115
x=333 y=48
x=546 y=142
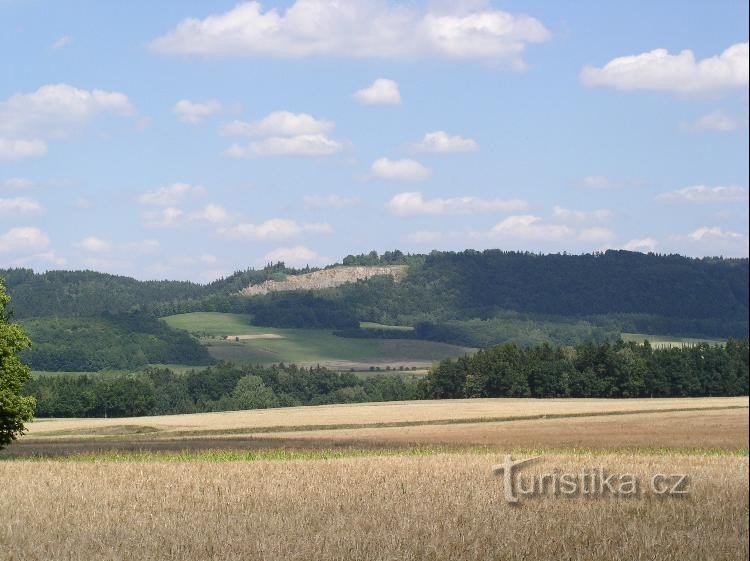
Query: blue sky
x=184 y=139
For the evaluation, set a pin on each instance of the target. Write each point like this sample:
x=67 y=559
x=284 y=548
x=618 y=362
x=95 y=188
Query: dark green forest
x=469 y=298
x=508 y=370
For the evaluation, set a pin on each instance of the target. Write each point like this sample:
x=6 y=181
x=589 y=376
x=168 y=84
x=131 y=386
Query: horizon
x=157 y=147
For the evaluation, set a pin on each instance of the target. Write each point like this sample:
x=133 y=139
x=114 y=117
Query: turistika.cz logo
x=593 y=482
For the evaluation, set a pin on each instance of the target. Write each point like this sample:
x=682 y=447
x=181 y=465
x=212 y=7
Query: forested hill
x=591 y=284
x=617 y=290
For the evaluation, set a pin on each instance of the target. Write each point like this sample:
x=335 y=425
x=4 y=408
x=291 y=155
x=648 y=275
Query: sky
x=187 y=140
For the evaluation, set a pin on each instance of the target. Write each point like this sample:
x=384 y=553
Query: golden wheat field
x=392 y=481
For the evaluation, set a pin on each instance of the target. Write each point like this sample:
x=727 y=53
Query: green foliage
x=15 y=408
x=121 y=341
x=160 y=391
x=593 y=370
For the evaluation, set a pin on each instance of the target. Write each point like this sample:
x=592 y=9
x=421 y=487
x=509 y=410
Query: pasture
x=396 y=481
x=230 y=337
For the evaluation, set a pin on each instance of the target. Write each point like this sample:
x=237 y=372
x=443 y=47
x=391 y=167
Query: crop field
x=230 y=337
x=665 y=341
x=391 y=481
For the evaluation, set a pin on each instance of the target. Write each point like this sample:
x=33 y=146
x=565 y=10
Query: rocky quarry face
x=327 y=278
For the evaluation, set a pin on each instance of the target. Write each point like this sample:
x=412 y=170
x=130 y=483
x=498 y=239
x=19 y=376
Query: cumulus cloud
x=96 y=245
x=194 y=112
x=413 y=203
x=381 y=92
x=170 y=195
x=356 y=29
x=274 y=229
x=569 y=215
x=644 y=245
x=55 y=109
x=716 y=121
x=302 y=145
x=19 y=205
x=713 y=232
x=17 y=149
x=93 y=244
x=705 y=194
x=280 y=123
x=529 y=227
x=442 y=142
x=24 y=238
x=661 y=71
x=173 y=217
x=400 y=170
x=297 y=256
x=316 y=202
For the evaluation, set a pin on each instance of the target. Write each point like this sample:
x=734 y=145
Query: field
x=664 y=341
x=230 y=337
x=391 y=481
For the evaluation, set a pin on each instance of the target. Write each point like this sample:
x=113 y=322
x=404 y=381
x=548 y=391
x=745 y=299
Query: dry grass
x=389 y=412
x=383 y=508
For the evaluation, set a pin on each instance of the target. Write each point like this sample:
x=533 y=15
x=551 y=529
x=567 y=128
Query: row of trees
x=219 y=388
x=593 y=370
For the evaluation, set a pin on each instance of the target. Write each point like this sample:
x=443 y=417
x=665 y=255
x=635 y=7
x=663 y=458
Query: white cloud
x=529 y=227
x=597 y=182
x=62 y=42
x=303 y=145
x=297 y=256
x=661 y=71
x=53 y=110
x=168 y=217
x=641 y=244
x=707 y=233
x=280 y=123
x=400 y=170
x=381 y=92
x=170 y=195
x=17 y=149
x=274 y=229
x=173 y=217
x=356 y=29
x=704 y=194
x=442 y=142
x=413 y=203
x=596 y=235
x=17 y=183
x=93 y=244
x=23 y=239
x=716 y=121
x=38 y=259
x=194 y=112
x=19 y=205
x=315 y=202
x=568 y=215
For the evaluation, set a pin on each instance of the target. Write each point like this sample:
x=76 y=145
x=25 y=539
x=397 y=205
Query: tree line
x=593 y=370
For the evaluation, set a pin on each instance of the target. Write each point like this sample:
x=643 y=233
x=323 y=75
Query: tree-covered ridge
x=591 y=370
x=108 y=341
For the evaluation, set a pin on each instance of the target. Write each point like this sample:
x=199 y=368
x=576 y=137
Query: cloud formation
x=381 y=92
x=19 y=205
x=297 y=256
x=705 y=194
x=356 y=29
x=569 y=215
x=442 y=142
x=170 y=195
x=24 y=238
x=413 y=203
x=659 y=70
x=193 y=112
x=274 y=229
x=399 y=170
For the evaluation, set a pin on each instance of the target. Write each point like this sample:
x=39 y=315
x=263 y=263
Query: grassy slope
x=303 y=346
